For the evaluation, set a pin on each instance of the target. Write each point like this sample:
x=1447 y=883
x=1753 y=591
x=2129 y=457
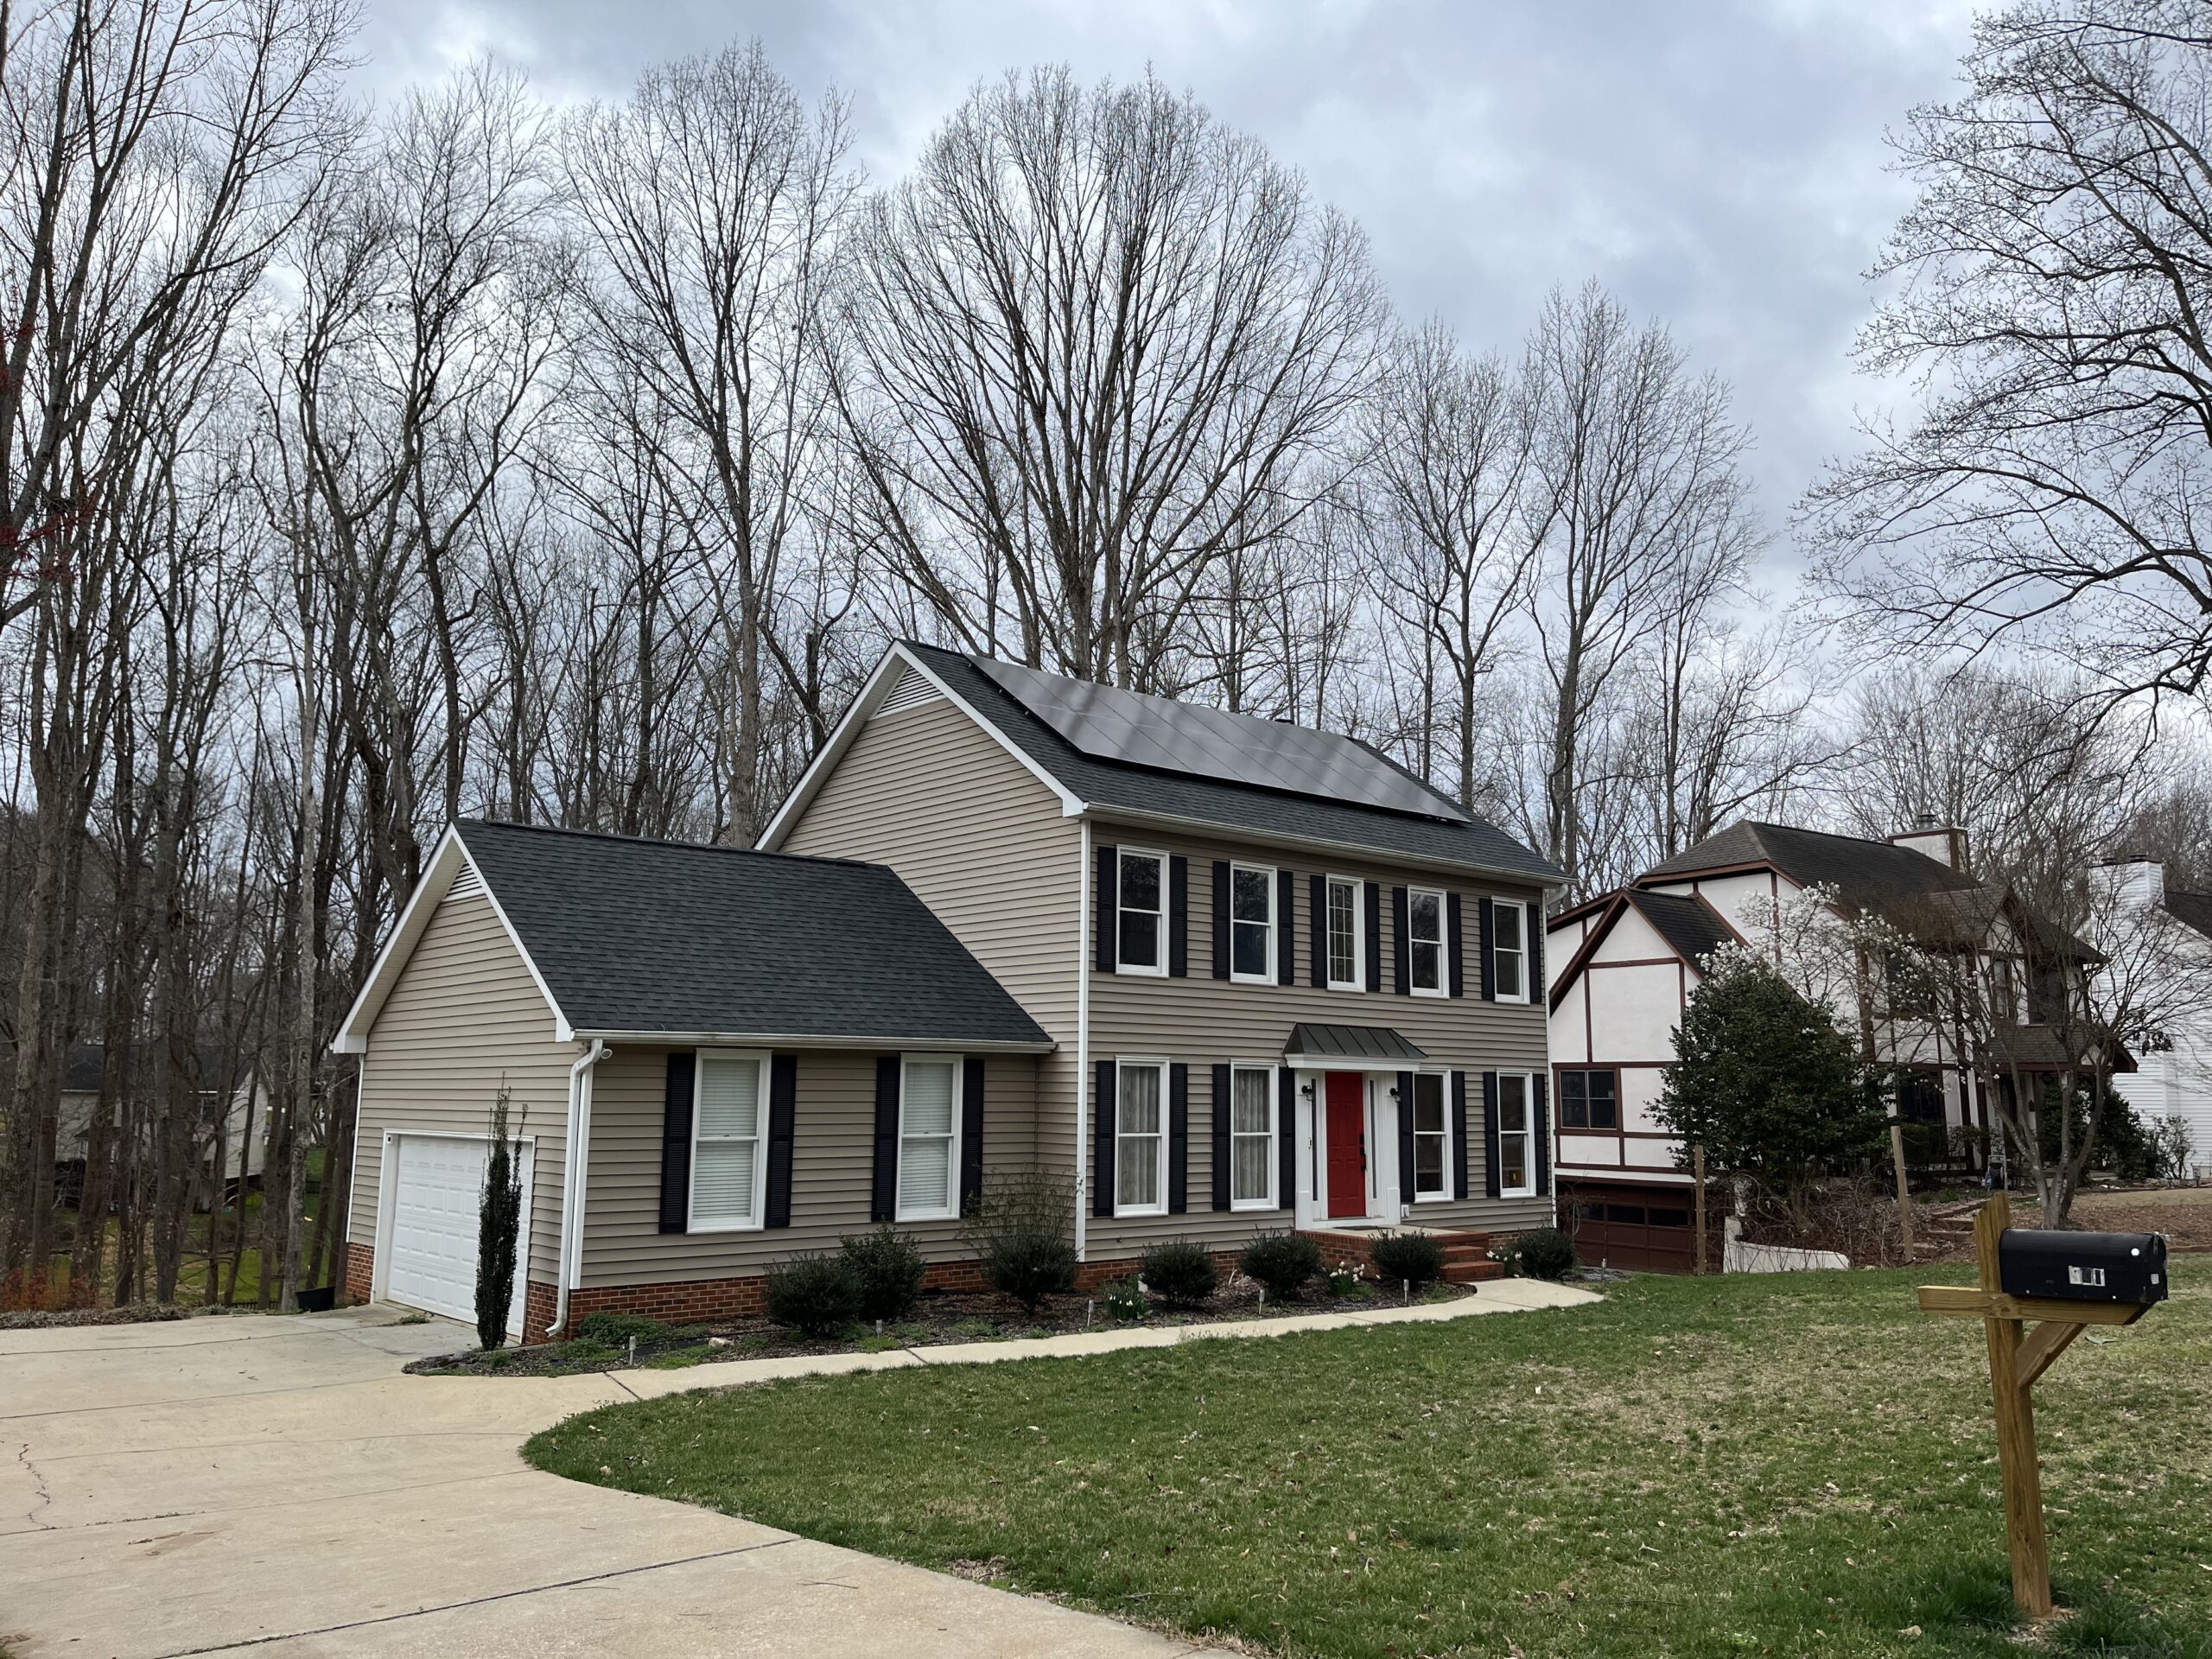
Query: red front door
x=1346 y=1140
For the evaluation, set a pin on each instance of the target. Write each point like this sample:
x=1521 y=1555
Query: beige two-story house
x=1216 y=976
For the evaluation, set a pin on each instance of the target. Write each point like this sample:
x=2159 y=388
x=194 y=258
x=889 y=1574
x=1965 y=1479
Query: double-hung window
x=1509 y=951
x=1252 y=923
x=1139 y=886
x=1516 y=1151
x=1346 y=965
x=1589 y=1100
x=730 y=1139
x=1141 y=1138
x=1425 y=911
x=1252 y=1161
x=1432 y=1139
x=929 y=1139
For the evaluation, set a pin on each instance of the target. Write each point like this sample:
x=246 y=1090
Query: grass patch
x=1699 y=1467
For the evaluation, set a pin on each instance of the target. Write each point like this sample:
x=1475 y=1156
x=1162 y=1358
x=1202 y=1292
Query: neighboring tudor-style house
x=1625 y=965
x=1216 y=975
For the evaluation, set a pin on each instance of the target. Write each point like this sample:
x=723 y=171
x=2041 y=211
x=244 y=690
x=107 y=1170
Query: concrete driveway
x=213 y=1484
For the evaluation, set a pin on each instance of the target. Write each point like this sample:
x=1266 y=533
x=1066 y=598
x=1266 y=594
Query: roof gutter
x=576 y=1156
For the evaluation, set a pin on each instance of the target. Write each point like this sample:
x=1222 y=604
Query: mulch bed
x=133 y=1313
x=942 y=1316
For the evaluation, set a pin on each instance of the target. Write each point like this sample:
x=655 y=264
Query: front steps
x=1467 y=1254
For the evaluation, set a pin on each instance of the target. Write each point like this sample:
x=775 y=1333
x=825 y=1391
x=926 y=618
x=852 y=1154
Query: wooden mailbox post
x=2018 y=1354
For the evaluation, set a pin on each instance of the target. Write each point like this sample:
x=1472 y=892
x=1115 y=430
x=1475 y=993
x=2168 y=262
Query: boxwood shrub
x=1282 y=1262
x=1181 y=1274
x=815 y=1295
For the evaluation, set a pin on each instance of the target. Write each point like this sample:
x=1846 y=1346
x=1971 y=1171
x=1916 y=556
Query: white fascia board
x=780 y=1040
x=450 y=856
x=896 y=658
x=1213 y=830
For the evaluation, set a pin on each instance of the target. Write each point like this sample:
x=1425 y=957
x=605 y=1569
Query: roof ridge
x=662 y=840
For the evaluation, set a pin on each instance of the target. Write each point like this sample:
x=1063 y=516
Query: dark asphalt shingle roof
x=1351 y=1043
x=664 y=936
x=81 y=1069
x=1108 y=784
x=1690 y=925
x=1870 y=875
x=2193 y=908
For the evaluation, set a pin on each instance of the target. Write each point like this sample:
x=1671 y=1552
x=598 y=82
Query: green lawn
x=1797 y=1464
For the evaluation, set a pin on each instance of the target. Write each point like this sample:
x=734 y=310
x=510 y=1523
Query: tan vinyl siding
x=1201 y=1021
x=465 y=1015
x=983 y=843
x=833 y=1161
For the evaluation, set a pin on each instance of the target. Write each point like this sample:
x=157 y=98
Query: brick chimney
x=1945 y=843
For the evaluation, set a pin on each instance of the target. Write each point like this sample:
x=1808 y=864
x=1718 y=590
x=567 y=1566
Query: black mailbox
x=2082 y=1267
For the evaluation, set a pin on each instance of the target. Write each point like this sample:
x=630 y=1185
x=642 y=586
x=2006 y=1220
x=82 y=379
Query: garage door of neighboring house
x=1648 y=1229
x=432 y=1202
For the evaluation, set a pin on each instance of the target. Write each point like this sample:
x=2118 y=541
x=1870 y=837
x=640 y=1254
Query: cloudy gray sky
x=1719 y=166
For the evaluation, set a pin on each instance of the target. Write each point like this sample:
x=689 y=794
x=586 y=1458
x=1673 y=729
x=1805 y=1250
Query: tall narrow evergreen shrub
x=498 y=1226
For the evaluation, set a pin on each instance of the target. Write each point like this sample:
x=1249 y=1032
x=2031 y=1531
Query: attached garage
x=1644 y=1228
x=427 y=1256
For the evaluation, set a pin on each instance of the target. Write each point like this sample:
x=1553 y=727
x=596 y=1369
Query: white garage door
x=437 y=1182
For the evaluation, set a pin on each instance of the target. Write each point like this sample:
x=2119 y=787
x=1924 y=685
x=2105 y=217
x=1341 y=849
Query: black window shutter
x=971 y=1133
x=1484 y=962
x=1490 y=1132
x=783 y=1118
x=1106 y=894
x=675 y=1145
x=1286 y=1140
x=1542 y=1122
x=1285 y=928
x=1374 y=936
x=1179 y=916
x=1455 y=948
x=1317 y=929
x=1401 y=951
x=1459 y=1147
x=1178 y=1138
x=1537 y=990
x=1406 y=1187
x=1221 y=1087
x=1221 y=918
x=883 y=1203
x=1103 y=1110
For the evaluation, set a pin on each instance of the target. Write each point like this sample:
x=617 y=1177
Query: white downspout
x=575 y=1153
x=1082 y=1042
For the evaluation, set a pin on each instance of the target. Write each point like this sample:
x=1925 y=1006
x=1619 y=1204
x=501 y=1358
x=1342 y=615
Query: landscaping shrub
x=1019 y=1229
x=888 y=1267
x=1548 y=1253
x=499 y=1224
x=615 y=1330
x=1415 y=1259
x=1179 y=1272
x=815 y=1295
x=1126 y=1300
x=1282 y=1262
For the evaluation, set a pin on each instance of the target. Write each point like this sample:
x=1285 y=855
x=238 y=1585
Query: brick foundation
x=360 y=1273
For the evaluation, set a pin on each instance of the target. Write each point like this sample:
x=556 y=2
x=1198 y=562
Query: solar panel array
x=1160 y=732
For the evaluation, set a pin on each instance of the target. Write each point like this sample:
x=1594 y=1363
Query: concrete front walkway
x=213 y=1484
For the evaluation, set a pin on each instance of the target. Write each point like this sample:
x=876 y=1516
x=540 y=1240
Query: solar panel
x=1170 y=736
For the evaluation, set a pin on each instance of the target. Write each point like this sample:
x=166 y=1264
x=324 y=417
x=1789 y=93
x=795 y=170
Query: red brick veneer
x=360 y=1273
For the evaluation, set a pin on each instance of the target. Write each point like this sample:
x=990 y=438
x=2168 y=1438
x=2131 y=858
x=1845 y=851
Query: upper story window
x=730 y=1139
x=2002 y=997
x=1424 y=941
x=1509 y=948
x=1432 y=1139
x=1347 y=963
x=1252 y=923
x=1140 y=891
x=1589 y=1100
x=1517 y=1155
x=929 y=1130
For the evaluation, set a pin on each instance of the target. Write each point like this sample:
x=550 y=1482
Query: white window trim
x=1166 y=909
x=1358 y=980
x=1122 y=1065
x=1273 y=1198
x=1443 y=942
x=1266 y=976
x=950 y=1212
x=1527 y=920
x=1529 y=1134
x=753 y=1222
x=1444 y=1098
